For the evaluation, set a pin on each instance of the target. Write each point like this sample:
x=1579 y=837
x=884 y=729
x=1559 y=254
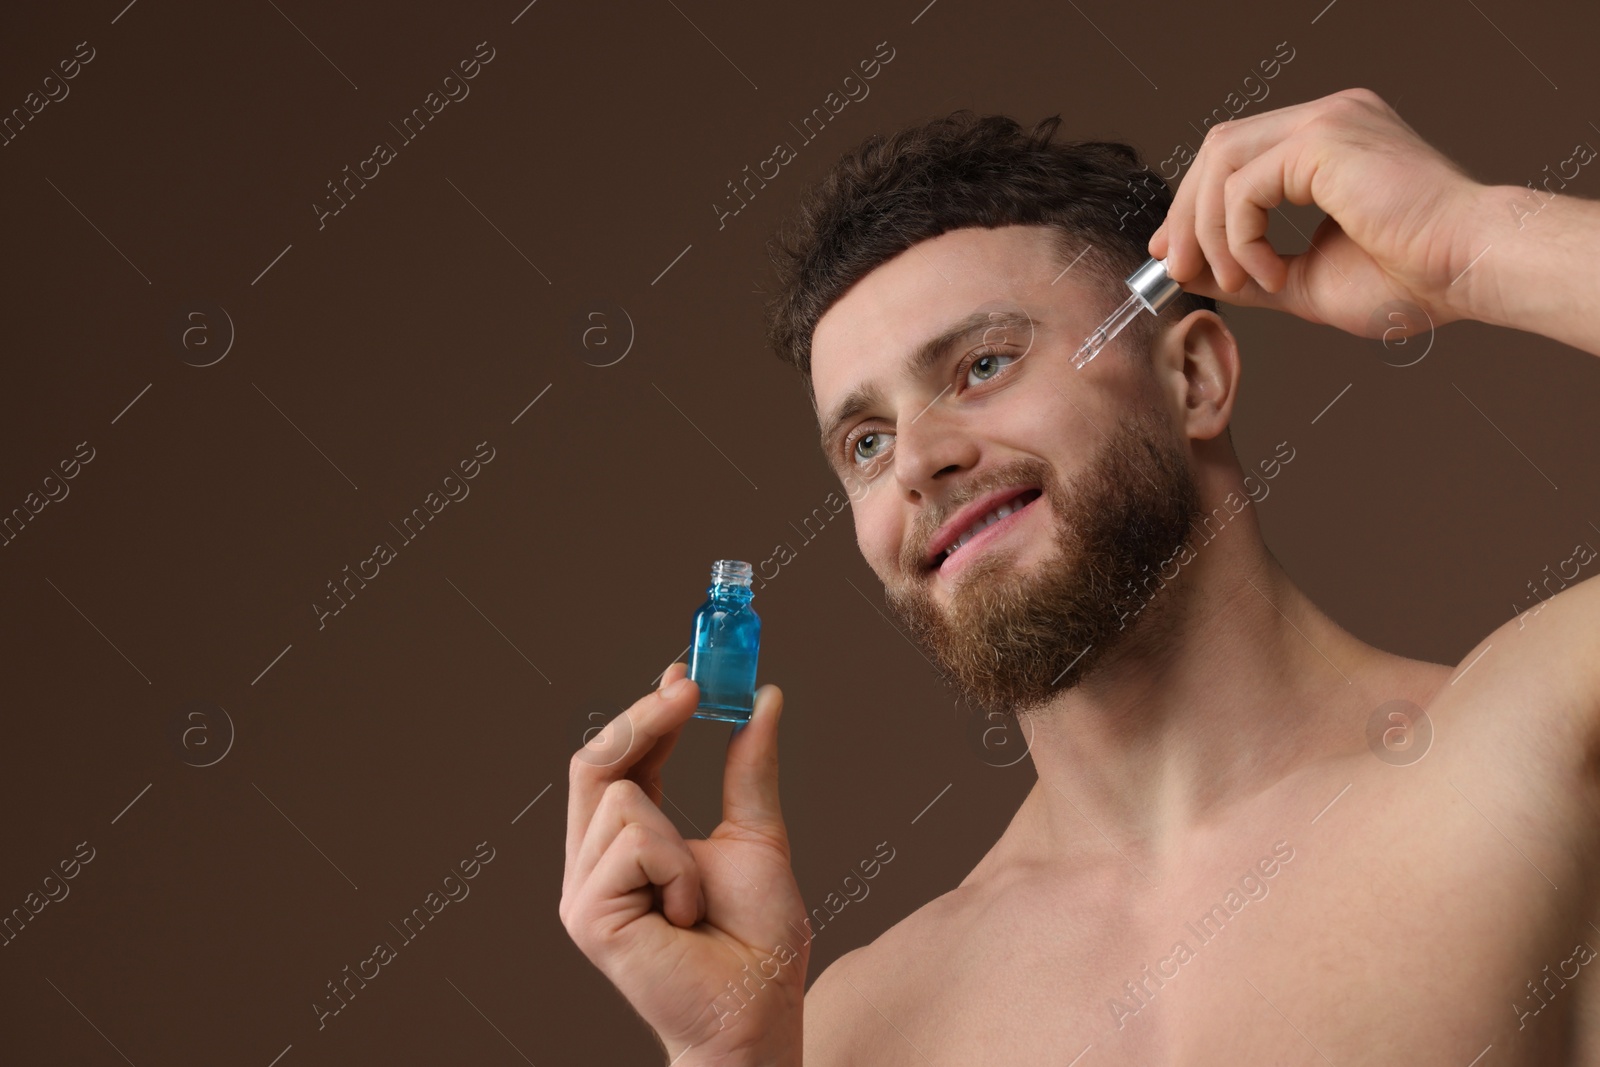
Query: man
x=1213 y=867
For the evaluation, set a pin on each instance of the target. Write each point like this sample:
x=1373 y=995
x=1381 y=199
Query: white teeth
x=972 y=531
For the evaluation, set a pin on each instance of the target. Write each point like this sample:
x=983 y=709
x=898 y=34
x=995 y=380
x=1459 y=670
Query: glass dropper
x=1152 y=290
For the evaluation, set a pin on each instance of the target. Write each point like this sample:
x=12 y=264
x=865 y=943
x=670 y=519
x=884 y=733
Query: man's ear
x=1197 y=366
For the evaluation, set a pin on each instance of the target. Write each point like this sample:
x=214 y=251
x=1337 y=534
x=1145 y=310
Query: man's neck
x=1231 y=681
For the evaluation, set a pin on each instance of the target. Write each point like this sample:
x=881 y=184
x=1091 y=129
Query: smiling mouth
x=995 y=515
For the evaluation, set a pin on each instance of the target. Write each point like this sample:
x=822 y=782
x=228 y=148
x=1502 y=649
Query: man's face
x=1087 y=463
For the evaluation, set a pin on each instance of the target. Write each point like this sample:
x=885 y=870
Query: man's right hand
x=672 y=922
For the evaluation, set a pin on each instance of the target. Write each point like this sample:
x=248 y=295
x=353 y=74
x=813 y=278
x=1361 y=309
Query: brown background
x=377 y=352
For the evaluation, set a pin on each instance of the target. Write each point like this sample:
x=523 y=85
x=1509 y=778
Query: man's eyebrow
x=917 y=364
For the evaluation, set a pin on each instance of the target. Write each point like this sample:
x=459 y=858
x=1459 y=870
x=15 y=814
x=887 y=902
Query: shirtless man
x=1216 y=865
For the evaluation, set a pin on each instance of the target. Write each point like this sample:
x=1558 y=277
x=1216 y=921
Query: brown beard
x=1013 y=639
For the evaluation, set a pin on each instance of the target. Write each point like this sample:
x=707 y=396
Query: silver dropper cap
x=1153 y=286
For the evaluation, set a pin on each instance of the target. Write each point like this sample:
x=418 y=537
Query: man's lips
x=953 y=528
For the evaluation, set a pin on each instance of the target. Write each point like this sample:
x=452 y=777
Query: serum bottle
x=727 y=637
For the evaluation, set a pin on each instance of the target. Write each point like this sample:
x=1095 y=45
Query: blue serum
x=727 y=638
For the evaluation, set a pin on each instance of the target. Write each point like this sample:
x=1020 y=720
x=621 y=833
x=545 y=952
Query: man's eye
x=870 y=446
x=988 y=365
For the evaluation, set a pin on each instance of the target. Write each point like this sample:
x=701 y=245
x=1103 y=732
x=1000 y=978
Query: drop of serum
x=727 y=638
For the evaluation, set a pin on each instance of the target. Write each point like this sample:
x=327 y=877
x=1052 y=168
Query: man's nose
x=932 y=445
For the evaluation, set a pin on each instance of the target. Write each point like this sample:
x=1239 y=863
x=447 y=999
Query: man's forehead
x=966 y=266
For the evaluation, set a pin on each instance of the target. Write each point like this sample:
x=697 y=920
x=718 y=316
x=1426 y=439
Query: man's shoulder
x=895 y=952
x=1531 y=688
x=834 y=1030
x=843 y=1004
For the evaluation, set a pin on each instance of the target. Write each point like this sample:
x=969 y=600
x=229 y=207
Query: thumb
x=750 y=779
x=1290 y=297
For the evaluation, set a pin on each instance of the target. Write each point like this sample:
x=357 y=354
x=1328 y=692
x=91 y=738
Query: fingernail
x=673 y=689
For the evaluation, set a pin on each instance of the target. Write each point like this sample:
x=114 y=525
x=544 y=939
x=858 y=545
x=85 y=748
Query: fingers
x=623 y=805
x=1210 y=229
x=647 y=771
x=636 y=859
x=1176 y=239
x=750 y=778
x=1249 y=194
x=633 y=745
x=1197 y=231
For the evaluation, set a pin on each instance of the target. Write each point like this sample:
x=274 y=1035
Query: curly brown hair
x=893 y=191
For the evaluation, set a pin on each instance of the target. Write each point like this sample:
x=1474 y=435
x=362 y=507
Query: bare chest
x=1368 y=914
